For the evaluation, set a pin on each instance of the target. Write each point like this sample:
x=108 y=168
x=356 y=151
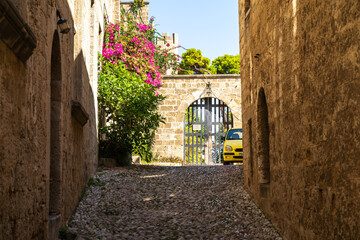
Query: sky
x=209 y=25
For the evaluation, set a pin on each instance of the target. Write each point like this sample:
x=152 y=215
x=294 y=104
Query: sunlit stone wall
x=301 y=117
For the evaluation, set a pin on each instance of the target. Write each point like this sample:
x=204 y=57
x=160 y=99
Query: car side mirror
x=222 y=138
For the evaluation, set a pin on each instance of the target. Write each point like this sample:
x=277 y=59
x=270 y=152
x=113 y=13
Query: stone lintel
x=15 y=33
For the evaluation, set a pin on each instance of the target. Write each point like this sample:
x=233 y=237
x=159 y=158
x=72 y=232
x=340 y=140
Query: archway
x=263 y=139
x=205 y=123
x=55 y=142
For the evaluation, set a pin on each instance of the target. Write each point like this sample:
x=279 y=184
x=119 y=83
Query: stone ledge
x=79 y=113
x=15 y=33
x=201 y=76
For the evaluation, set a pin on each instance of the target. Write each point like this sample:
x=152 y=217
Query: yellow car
x=233 y=146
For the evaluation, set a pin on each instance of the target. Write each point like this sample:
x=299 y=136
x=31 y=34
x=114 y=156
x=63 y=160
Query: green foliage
x=130 y=107
x=193 y=62
x=138 y=4
x=143 y=148
x=227 y=64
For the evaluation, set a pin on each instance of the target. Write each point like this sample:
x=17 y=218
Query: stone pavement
x=157 y=202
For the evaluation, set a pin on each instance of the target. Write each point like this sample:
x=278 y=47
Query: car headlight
x=228 y=148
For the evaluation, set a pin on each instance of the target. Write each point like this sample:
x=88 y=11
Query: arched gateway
x=189 y=94
x=206 y=121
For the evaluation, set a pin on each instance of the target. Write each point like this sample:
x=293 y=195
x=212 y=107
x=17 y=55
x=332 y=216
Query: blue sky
x=208 y=25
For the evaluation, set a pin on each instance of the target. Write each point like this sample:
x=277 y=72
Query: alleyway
x=150 y=202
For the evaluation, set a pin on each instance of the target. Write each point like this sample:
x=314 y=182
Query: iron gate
x=206 y=121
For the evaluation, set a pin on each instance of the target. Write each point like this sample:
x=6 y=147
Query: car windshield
x=234 y=134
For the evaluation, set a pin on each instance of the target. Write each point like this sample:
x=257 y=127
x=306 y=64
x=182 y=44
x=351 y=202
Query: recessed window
x=251 y=162
x=263 y=139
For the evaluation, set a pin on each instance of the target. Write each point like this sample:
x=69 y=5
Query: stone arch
x=185 y=103
x=55 y=125
x=263 y=139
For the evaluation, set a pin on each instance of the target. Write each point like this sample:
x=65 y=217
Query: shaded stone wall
x=182 y=90
x=301 y=117
x=48 y=96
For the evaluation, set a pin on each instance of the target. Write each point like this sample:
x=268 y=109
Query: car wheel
x=226 y=163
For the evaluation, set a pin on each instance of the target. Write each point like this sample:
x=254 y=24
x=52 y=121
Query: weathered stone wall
x=301 y=117
x=61 y=70
x=182 y=90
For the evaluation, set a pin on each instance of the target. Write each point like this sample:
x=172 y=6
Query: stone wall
x=48 y=114
x=182 y=90
x=301 y=117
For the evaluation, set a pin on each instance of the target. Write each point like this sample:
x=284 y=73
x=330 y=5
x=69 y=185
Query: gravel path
x=152 y=202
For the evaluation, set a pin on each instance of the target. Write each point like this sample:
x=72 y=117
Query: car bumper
x=233 y=157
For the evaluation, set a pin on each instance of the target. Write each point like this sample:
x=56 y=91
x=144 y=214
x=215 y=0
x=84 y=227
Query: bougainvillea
x=135 y=45
x=131 y=69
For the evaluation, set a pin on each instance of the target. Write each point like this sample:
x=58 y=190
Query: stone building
x=48 y=110
x=300 y=74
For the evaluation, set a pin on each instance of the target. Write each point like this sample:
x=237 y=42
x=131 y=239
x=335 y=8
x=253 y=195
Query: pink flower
x=138 y=53
x=107 y=52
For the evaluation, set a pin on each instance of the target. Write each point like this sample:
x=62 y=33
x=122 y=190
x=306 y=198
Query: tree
x=227 y=64
x=193 y=62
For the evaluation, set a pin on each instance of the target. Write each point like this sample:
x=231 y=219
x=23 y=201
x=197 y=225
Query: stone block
x=136 y=160
x=107 y=162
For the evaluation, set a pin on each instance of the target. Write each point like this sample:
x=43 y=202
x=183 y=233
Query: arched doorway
x=263 y=139
x=205 y=123
x=55 y=142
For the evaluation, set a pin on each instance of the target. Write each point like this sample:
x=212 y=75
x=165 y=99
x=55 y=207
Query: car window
x=234 y=134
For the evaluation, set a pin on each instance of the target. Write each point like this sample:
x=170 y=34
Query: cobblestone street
x=152 y=202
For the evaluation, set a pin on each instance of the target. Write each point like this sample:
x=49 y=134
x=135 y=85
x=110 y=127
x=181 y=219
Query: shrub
x=130 y=107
